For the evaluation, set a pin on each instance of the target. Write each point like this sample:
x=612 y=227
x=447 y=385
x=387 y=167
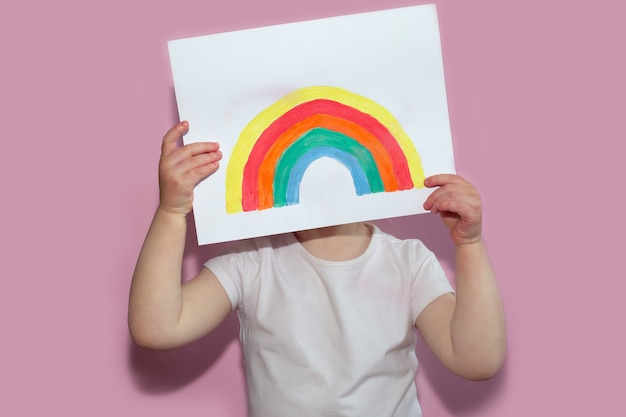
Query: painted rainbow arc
x=275 y=149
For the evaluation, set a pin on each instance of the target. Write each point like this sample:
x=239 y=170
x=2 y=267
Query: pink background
x=537 y=97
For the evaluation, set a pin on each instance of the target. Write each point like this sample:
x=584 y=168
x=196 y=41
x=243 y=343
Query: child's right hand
x=182 y=168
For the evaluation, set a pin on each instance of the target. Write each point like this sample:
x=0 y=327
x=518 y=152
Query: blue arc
x=359 y=178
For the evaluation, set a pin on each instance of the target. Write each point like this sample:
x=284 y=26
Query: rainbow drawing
x=274 y=150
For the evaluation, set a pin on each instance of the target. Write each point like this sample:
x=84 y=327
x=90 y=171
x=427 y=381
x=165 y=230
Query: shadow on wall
x=460 y=396
x=157 y=372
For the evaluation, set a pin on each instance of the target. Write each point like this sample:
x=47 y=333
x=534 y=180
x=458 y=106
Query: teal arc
x=318 y=143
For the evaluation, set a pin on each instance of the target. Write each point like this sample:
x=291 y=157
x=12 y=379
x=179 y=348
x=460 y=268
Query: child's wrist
x=468 y=243
x=170 y=212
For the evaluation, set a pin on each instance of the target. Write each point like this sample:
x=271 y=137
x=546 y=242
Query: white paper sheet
x=386 y=65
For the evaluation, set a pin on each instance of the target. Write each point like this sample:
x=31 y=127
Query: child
x=327 y=315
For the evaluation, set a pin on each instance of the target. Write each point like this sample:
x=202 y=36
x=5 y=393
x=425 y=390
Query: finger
x=438 y=194
x=450 y=191
x=467 y=212
x=182 y=154
x=171 y=137
x=199 y=160
x=439 y=180
x=202 y=171
x=198 y=148
x=455 y=198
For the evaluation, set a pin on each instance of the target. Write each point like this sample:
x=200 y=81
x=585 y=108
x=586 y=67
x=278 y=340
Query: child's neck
x=336 y=243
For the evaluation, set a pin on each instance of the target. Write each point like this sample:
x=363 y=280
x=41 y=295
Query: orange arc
x=363 y=136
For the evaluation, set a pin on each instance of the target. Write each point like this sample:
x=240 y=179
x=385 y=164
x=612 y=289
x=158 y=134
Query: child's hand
x=458 y=202
x=181 y=168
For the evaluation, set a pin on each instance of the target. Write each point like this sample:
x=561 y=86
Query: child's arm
x=467 y=332
x=163 y=314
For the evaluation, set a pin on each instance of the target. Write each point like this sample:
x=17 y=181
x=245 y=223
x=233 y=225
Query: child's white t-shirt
x=324 y=338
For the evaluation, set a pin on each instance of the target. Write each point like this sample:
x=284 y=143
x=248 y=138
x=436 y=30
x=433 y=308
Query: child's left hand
x=459 y=204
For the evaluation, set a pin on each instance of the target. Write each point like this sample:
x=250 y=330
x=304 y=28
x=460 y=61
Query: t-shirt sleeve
x=429 y=282
x=236 y=265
